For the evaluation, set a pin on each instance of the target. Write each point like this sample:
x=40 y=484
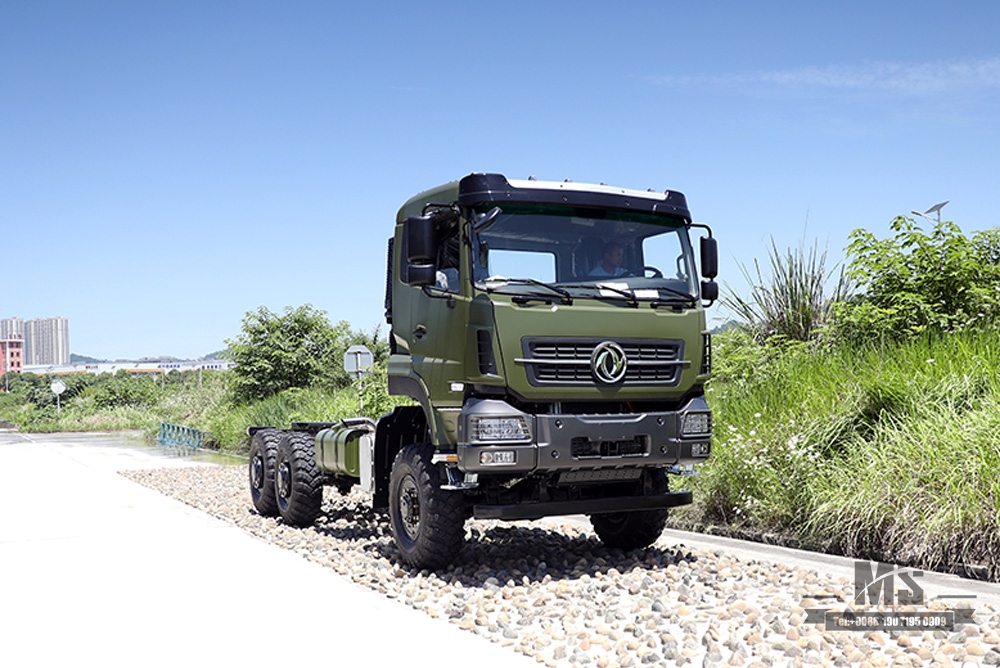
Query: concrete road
x=94 y=567
x=97 y=569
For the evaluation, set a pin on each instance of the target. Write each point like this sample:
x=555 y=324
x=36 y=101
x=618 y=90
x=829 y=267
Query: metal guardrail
x=180 y=440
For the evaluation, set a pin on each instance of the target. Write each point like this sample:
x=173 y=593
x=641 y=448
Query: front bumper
x=560 y=443
x=537 y=510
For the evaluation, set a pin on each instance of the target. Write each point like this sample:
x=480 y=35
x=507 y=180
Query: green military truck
x=552 y=336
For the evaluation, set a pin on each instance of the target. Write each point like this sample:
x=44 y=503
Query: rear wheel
x=263 y=447
x=298 y=484
x=428 y=523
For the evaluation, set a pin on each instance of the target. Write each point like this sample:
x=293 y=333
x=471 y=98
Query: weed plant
x=886 y=451
x=229 y=421
x=792 y=302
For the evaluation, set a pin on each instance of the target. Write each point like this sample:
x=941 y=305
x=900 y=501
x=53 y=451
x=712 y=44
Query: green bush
x=916 y=282
x=296 y=349
x=124 y=390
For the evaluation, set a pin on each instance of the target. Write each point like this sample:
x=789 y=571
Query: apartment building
x=45 y=340
x=11 y=354
x=11 y=328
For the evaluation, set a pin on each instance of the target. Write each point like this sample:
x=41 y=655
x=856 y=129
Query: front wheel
x=428 y=523
x=630 y=530
x=636 y=528
x=263 y=447
x=298 y=485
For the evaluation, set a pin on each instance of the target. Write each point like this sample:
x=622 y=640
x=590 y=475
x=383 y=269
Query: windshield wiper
x=629 y=295
x=563 y=295
x=633 y=300
x=682 y=295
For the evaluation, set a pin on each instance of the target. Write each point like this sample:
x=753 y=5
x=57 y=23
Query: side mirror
x=419 y=235
x=420 y=274
x=709 y=291
x=709 y=258
x=421 y=251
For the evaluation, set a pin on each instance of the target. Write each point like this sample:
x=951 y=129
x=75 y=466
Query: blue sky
x=166 y=167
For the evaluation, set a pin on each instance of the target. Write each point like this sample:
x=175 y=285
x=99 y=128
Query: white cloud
x=906 y=78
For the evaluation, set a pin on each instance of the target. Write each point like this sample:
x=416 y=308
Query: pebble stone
x=553 y=592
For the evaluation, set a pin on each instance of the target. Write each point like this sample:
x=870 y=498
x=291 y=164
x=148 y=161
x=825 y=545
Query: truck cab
x=554 y=336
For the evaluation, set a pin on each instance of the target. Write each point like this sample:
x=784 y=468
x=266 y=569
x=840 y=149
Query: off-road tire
x=633 y=529
x=428 y=523
x=630 y=530
x=298 y=484
x=263 y=447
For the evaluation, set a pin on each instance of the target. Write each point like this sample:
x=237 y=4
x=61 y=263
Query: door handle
x=419 y=332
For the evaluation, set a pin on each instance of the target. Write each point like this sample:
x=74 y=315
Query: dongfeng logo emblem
x=608 y=363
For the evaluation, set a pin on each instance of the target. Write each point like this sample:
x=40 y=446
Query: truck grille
x=550 y=361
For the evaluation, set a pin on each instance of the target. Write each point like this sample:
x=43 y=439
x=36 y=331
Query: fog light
x=696 y=423
x=497 y=457
x=701 y=449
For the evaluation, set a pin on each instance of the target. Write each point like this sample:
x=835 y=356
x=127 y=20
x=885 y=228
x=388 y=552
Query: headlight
x=696 y=424
x=485 y=429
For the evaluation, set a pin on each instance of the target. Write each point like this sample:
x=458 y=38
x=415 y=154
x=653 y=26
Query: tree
x=915 y=282
x=298 y=348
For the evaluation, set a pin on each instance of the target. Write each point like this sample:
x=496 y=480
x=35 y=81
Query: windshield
x=595 y=253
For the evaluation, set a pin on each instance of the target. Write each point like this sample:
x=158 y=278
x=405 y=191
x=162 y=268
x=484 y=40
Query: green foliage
x=230 y=422
x=124 y=390
x=37 y=390
x=290 y=369
x=916 y=282
x=275 y=352
x=792 y=302
x=885 y=450
x=109 y=402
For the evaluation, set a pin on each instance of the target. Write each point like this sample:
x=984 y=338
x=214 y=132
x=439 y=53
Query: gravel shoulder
x=551 y=591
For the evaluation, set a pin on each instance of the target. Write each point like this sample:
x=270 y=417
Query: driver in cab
x=611 y=262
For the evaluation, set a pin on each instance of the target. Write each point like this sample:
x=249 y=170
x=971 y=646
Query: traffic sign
x=358 y=361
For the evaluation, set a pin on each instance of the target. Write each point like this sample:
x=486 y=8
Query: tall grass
x=279 y=410
x=228 y=422
x=887 y=452
x=792 y=302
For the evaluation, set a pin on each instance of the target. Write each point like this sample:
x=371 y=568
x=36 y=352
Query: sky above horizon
x=167 y=167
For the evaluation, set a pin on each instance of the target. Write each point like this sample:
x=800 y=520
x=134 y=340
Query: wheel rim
x=257 y=473
x=409 y=507
x=284 y=479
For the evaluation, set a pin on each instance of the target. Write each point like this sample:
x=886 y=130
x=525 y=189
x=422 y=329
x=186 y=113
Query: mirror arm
x=702 y=226
x=435 y=292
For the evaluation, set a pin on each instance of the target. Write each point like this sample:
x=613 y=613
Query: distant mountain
x=725 y=327
x=83 y=359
